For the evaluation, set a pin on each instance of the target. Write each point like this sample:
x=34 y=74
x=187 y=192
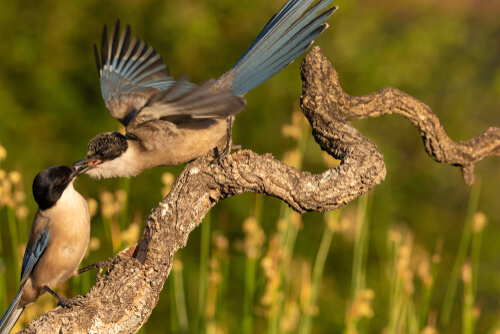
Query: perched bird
x=169 y=122
x=57 y=242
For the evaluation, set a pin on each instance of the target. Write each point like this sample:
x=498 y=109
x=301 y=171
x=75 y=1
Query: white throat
x=126 y=165
x=71 y=202
x=68 y=196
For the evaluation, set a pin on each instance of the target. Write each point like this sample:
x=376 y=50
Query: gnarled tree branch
x=391 y=100
x=123 y=299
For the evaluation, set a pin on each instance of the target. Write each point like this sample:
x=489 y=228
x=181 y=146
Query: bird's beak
x=82 y=166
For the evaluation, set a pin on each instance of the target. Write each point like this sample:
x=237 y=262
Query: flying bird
x=168 y=121
x=57 y=242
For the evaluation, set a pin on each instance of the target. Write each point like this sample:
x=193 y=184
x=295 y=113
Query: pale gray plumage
x=57 y=242
x=169 y=122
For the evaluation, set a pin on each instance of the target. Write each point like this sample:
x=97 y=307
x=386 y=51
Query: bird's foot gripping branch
x=126 y=295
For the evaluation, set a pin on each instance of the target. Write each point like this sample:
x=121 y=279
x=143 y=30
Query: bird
x=57 y=241
x=169 y=121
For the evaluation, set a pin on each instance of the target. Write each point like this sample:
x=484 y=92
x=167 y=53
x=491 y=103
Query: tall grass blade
x=462 y=251
x=203 y=278
x=360 y=248
x=180 y=299
x=174 y=315
x=331 y=218
x=250 y=266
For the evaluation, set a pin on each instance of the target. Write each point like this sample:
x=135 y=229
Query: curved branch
x=391 y=100
x=125 y=296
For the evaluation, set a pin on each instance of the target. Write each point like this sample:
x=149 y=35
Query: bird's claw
x=225 y=152
x=229 y=144
x=101 y=265
x=65 y=302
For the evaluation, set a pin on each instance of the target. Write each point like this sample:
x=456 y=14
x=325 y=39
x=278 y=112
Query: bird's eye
x=100 y=153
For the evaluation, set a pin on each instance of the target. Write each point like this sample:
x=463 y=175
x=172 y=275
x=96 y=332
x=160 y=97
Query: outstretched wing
x=167 y=110
x=177 y=105
x=139 y=92
x=130 y=73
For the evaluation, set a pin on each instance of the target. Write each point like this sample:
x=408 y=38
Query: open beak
x=82 y=166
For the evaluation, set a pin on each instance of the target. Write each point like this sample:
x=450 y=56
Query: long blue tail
x=10 y=317
x=285 y=37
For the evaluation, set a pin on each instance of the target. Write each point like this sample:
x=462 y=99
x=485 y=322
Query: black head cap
x=107 y=146
x=50 y=183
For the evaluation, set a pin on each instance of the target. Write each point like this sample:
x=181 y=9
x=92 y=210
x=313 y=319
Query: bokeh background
x=445 y=53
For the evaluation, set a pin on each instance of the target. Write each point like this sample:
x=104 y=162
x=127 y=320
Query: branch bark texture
x=123 y=299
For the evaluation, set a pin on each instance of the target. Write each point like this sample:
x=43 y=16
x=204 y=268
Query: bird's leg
x=229 y=142
x=229 y=135
x=63 y=301
x=99 y=264
x=230 y=145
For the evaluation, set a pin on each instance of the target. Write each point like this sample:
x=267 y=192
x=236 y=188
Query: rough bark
x=122 y=300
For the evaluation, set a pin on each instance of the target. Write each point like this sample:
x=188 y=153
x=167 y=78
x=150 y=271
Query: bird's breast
x=188 y=143
x=69 y=228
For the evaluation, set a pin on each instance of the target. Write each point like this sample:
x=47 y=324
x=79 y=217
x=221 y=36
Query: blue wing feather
x=33 y=253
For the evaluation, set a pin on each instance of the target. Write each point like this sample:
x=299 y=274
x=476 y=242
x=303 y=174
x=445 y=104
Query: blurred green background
x=446 y=54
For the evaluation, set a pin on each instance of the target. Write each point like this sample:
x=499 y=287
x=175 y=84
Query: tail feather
x=279 y=23
x=303 y=37
x=292 y=34
x=10 y=317
x=287 y=35
x=271 y=68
